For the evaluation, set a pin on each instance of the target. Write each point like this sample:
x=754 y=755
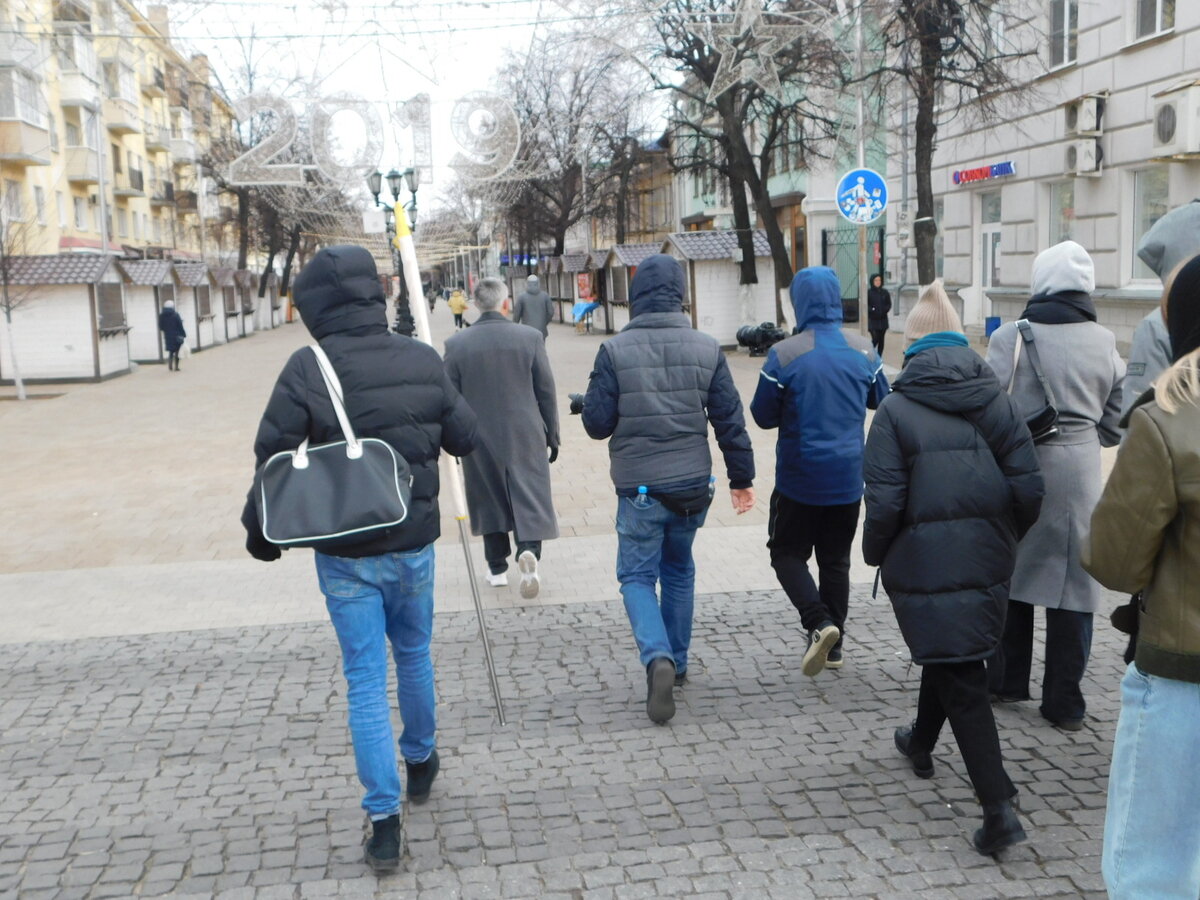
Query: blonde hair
x=1179 y=384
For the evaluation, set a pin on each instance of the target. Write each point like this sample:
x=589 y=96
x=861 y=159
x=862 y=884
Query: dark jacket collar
x=1063 y=308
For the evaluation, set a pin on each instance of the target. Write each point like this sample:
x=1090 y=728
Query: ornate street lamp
x=394 y=180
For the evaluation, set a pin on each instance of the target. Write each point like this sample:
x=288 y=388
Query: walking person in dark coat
x=653 y=391
x=952 y=484
x=816 y=387
x=170 y=323
x=503 y=372
x=534 y=307
x=879 y=304
x=378 y=589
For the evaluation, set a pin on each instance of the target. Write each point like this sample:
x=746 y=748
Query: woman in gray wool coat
x=1080 y=362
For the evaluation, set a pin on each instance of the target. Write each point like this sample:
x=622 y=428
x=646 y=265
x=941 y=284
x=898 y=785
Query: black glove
x=262 y=549
x=576 y=403
x=553 y=453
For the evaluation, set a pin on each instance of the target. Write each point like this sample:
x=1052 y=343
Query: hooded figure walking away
x=379 y=588
x=816 y=388
x=503 y=372
x=952 y=484
x=654 y=389
x=1145 y=538
x=170 y=323
x=879 y=304
x=534 y=307
x=1083 y=370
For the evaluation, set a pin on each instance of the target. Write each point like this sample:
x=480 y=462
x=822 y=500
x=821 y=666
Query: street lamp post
x=395 y=180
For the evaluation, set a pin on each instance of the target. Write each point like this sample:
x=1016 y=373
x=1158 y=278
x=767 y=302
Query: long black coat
x=952 y=484
x=171 y=325
x=879 y=304
x=395 y=388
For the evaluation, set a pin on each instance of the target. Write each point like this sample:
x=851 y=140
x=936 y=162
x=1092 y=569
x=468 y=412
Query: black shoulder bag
x=1043 y=424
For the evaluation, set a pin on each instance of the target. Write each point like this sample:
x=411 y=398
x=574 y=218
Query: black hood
x=339 y=292
x=949 y=379
x=657 y=286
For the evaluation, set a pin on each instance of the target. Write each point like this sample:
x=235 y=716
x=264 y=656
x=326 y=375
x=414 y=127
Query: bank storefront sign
x=985 y=173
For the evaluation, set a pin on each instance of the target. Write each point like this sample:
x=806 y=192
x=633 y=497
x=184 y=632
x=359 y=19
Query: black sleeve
x=886 y=473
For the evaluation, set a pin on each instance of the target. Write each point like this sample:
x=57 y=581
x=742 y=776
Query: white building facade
x=1099 y=147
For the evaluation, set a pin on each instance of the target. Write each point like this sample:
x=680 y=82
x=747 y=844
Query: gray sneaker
x=820 y=642
x=660 y=686
x=527 y=563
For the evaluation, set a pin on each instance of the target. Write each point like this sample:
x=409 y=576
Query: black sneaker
x=660 y=682
x=922 y=763
x=681 y=678
x=420 y=778
x=820 y=642
x=382 y=849
x=834 y=659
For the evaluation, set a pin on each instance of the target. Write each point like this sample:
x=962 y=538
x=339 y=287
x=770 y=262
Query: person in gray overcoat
x=1080 y=362
x=502 y=371
x=534 y=307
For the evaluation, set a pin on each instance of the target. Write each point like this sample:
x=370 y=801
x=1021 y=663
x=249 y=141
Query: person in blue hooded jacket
x=816 y=388
x=653 y=391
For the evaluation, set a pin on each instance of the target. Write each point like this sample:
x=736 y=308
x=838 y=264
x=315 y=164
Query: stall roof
x=244 y=278
x=712 y=244
x=632 y=254
x=61 y=268
x=192 y=274
x=549 y=264
x=223 y=275
x=577 y=262
x=147 y=272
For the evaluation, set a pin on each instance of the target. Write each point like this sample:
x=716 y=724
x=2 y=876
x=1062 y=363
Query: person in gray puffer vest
x=653 y=391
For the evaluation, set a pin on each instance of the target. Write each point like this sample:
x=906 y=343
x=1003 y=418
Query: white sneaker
x=530 y=582
x=497 y=579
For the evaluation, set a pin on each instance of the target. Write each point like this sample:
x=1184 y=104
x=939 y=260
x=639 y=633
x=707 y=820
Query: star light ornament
x=748 y=46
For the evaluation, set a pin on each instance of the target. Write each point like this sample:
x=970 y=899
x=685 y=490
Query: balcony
x=183 y=149
x=129 y=184
x=154 y=84
x=83 y=165
x=186 y=201
x=18 y=50
x=121 y=116
x=77 y=89
x=162 y=193
x=158 y=138
x=177 y=93
x=24 y=144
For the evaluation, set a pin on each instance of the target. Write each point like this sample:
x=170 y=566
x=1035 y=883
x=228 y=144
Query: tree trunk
x=243 y=218
x=622 y=210
x=293 y=245
x=272 y=252
x=12 y=348
x=744 y=228
x=925 y=87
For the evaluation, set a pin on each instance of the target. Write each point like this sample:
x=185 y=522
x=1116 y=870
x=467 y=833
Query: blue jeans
x=373 y=601
x=654 y=546
x=1152 y=827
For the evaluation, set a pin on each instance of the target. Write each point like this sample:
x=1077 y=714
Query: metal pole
x=452 y=472
x=862 y=162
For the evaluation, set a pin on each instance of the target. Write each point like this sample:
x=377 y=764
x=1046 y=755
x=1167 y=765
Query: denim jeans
x=374 y=601
x=654 y=547
x=1152 y=827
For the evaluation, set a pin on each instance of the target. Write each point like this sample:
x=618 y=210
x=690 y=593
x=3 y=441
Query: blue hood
x=657 y=286
x=817 y=297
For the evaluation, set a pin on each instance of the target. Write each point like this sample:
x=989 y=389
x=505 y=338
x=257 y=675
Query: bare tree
x=960 y=58
x=16 y=239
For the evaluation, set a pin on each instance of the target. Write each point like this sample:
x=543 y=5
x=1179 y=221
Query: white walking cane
x=452 y=473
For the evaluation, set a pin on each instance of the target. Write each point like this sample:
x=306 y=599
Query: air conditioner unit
x=1176 y=122
x=1083 y=157
x=1085 y=116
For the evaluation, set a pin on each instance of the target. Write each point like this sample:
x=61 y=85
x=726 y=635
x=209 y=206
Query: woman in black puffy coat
x=952 y=483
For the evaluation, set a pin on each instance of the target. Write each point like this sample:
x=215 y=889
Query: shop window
x=1149 y=205
x=112 y=310
x=1062 y=212
x=203 y=301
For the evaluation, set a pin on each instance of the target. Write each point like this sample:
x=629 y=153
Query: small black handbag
x=329 y=495
x=1043 y=424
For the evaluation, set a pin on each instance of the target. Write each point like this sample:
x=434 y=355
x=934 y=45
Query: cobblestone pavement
x=216 y=762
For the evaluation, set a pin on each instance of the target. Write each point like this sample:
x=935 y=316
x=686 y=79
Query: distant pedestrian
x=1145 y=539
x=952 y=483
x=170 y=323
x=816 y=387
x=653 y=390
x=879 y=304
x=1079 y=360
x=503 y=372
x=534 y=307
x=458 y=306
x=379 y=588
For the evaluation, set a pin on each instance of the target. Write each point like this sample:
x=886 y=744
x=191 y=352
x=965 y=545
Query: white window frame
x=1069 y=12
x=122 y=222
x=21 y=98
x=12 y=201
x=1159 y=28
x=1051 y=211
x=1130 y=256
x=39 y=203
x=60 y=204
x=80 y=205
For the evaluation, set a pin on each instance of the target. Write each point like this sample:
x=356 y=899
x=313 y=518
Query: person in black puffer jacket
x=379 y=588
x=952 y=483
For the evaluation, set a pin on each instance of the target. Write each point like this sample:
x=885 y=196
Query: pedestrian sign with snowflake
x=862 y=196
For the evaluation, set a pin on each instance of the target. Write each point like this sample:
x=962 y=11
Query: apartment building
x=1105 y=140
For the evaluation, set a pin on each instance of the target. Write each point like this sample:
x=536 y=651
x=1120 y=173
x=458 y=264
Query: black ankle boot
x=1001 y=828
x=382 y=850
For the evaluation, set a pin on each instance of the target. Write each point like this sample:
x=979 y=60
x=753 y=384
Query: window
x=80 y=214
x=53 y=126
x=203 y=301
x=989 y=250
x=112 y=309
x=39 y=204
x=1064 y=31
x=157 y=230
x=1062 y=212
x=12 y=200
x=122 y=223
x=20 y=98
x=1154 y=16
x=1149 y=205
x=116 y=158
x=231 y=306
x=73 y=135
x=137 y=227
x=61 y=203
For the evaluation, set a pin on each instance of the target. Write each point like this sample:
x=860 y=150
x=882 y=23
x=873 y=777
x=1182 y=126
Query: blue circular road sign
x=862 y=196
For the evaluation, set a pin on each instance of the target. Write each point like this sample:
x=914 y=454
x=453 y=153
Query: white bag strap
x=1016 y=359
x=353 y=447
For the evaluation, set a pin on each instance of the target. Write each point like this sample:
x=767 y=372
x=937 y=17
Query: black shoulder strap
x=1026 y=332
